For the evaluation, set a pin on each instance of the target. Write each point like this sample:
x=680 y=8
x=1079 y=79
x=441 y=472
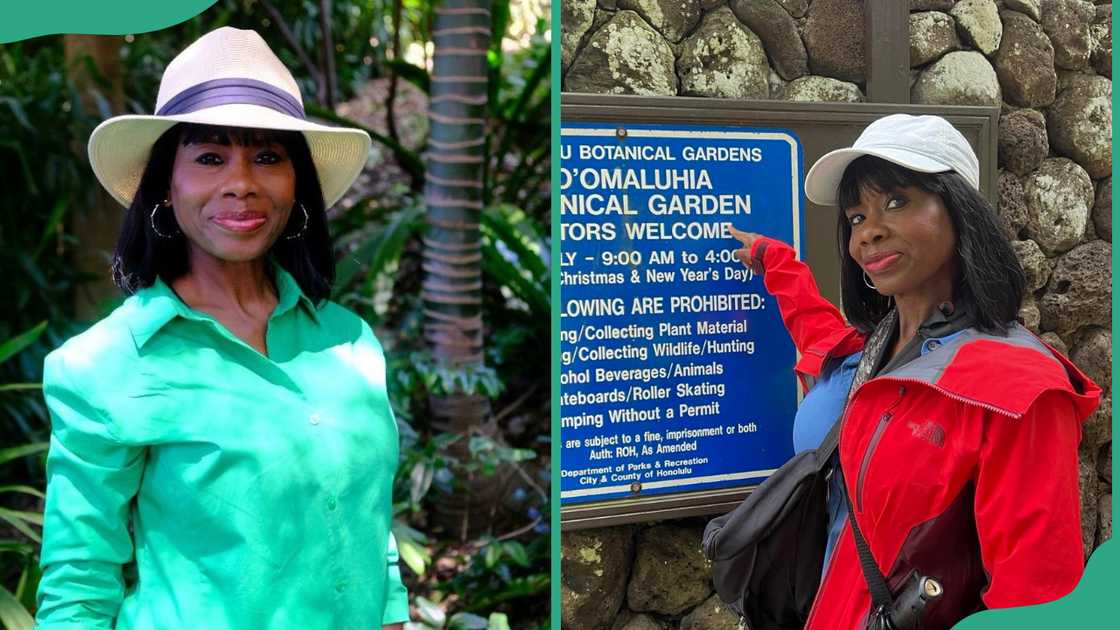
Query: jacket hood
x=1003 y=373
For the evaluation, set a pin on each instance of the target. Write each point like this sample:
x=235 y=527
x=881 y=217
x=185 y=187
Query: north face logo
x=929 y=431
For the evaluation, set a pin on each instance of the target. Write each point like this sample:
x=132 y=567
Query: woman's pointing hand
x=747 y=240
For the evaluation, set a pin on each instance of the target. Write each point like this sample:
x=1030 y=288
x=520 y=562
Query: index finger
x=743 y=237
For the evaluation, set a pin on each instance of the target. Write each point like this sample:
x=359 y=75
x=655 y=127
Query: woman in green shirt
x=222 y=447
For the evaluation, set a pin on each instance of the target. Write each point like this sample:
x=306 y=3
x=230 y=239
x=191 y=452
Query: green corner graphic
x=115 y=17
x=1091 y=605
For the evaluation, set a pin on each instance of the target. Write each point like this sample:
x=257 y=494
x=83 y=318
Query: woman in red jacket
x=959 y=450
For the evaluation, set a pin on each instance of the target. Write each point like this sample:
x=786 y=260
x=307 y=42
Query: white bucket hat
x=228 y=77
x=927 y=144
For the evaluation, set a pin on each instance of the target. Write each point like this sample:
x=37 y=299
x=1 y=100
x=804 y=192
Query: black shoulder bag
x=767 y=554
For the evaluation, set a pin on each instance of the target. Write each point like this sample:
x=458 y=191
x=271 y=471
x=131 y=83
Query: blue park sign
x=676 y=369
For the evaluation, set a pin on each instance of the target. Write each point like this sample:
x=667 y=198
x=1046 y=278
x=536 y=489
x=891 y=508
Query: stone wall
x=1046 y=63
x=639 y=577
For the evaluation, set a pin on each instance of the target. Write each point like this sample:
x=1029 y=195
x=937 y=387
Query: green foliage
x=500 y=572
x=517 y=171
x=370 y=253
x=20 y=499
x=440 y=379
x=48 y=181
x=492 y=573
x=18 y=557
x=25 y=521
x=13 y=614
x=14 y=346
x=432 y=463
x=515 y=257
x=433 y=617
x=418 y=469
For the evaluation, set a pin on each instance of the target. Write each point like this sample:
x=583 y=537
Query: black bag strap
x=876 y=583
x=872 y=353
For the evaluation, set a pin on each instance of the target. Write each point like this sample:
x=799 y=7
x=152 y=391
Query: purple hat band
x=234 y=90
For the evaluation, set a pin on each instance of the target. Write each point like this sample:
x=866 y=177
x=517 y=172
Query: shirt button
x=313 y=418
x=339 y=586
x=331 y=503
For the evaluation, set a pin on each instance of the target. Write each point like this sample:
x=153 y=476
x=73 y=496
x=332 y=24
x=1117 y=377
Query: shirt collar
x=291 y=294
x=946 y=319
x=158 y=304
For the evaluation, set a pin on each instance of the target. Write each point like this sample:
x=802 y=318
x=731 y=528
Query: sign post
x=676 y=370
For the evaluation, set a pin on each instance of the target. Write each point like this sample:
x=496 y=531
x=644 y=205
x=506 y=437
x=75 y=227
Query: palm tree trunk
x=452 y=257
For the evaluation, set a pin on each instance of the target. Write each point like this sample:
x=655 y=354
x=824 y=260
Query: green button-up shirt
x=194 y=483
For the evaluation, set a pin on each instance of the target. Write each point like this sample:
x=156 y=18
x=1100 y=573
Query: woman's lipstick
x=879 y=263
x=240 y=221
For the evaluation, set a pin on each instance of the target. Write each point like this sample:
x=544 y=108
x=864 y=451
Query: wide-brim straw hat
x=229 y=77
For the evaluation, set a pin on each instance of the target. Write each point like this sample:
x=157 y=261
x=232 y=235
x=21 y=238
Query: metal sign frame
x=979 y=125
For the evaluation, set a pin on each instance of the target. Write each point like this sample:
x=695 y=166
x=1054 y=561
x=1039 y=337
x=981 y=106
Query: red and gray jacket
x=960 y=465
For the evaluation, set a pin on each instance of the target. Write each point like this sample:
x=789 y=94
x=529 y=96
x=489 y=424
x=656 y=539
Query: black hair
x=142 y=255
x=990 y=279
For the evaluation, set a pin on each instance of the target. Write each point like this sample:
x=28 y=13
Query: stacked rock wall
x=1046 y=63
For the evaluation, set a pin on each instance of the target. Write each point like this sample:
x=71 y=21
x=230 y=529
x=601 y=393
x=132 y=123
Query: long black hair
x=142 y=255
x=989 y=280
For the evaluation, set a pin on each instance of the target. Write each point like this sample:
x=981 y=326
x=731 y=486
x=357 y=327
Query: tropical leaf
x=16 y=546
x=29 y=583
x=13 y=616
x=519 y=233
x=534 y=294
x=381 y=247
x=518 y=109
x=497 y=621
x=58 y=211
x=430 y=613
x=516 y=588
x=22 y=521
x=491 y=554
x=16 y=344
x=466 y=621
x=19 y=387
x=526 y=176
x=413 y=74
x=420 y=478
x=415 y=556
x=23 y=489
x=516 y=552
x=16 y=452
x=410 y=546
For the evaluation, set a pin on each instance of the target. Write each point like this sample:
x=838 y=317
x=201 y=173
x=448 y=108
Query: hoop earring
x=306 y=221
x=152 y=220
x=867 y=281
